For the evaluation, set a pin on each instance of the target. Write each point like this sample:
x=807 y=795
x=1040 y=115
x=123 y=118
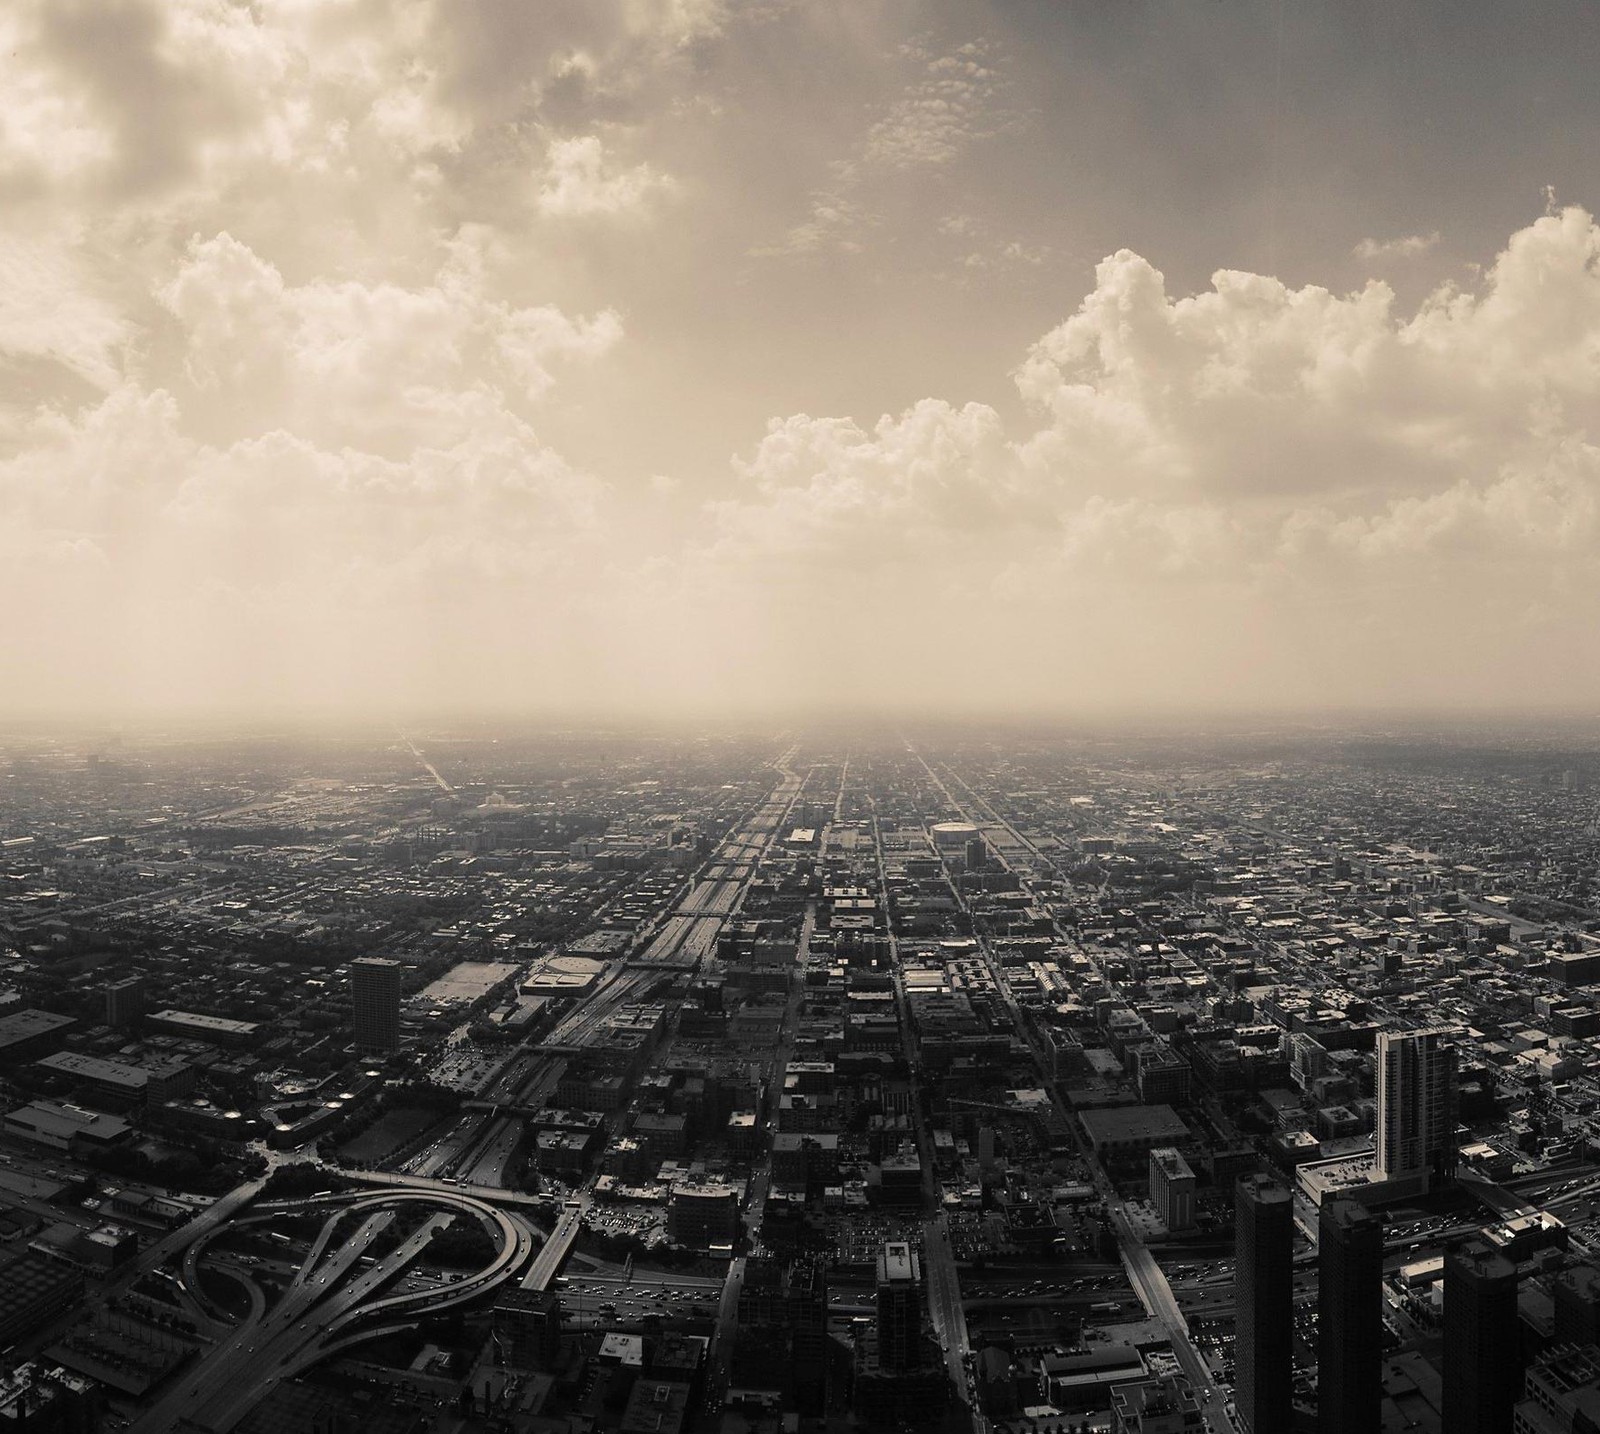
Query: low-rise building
x=67 y=1127
x=704 y=1214
x=216 y=1030
x=122 y=1081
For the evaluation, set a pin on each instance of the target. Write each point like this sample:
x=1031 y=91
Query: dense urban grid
x=1024 y=1082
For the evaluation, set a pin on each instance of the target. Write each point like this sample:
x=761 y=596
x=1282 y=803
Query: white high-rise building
x=1416 y=1105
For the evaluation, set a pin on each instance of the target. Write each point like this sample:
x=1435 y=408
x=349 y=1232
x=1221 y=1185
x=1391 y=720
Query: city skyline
x=990 y=1081
x=727 y=357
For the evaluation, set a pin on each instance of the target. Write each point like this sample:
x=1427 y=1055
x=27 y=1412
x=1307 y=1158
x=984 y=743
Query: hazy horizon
x=720 y=359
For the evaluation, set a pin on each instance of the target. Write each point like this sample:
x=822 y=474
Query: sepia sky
x=673 y=356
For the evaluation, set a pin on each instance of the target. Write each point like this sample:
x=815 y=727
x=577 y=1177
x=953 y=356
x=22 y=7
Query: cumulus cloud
x=294 y=412
x=578 y=181
x=330 y=488
x=50 y=308
x=228 y=116
x=1222 y=482
x=273 y=569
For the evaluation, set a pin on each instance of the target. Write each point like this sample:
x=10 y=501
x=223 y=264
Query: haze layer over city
x=722 y=355
x=799 y=716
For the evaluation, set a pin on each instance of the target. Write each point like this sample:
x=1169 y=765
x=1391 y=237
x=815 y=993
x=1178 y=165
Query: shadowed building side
x=1264 y=1329
x=1349 y=1319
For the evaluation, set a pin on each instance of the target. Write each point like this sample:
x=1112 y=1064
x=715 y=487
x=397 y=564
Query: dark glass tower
x=900 y=1307
x=1264 y=1332
x=1349 y=1319
x=1482 y=1345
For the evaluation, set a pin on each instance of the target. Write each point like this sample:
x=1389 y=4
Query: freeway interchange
x=357 y=1280
x=343 y=1291
x=338 y=1296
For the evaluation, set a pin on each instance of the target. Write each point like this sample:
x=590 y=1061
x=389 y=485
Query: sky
x=746 y=356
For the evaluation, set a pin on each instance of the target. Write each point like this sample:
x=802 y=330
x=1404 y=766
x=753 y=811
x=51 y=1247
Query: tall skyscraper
x=808 y=1320
x=783 y=1327
x=1416 y=1106
x=1264 y=1328
x=1349 y=1318
x=375 y=992
x=899 y=1307
x=1482 y=1344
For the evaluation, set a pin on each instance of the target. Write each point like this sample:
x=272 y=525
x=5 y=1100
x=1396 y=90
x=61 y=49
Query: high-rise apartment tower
x=1416 y=1106
x=375 y=992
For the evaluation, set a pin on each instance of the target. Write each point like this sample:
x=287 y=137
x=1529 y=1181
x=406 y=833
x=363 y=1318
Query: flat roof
x=897 y=1263
x=207 y=1023
x=1172 y=1163
x=695 y=1188
x=94 y=1068
x=624 y=1348
x=1346 y=1172
x=50 y=1118
x=1117 y=1124
x=24 y=1025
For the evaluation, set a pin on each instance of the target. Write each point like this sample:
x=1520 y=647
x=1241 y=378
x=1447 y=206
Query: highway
x=727 y=1313
x=940 y=1276
x=630 y=1300
x=432 y=770
x=335 y=1297
x=333 y=1300
x=1148 y=1279
x=686 y=939
x=547 y=1264
x=697 y=933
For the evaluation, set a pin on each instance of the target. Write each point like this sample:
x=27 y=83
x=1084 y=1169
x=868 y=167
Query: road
x=547 y=1264
x=632 y=1299
x=941 y=1279
x=1150 y=1284
x=1146 y=1275
x=686 y=939
x=333 y=1300
x=761 y=1177
x=432 y=770
x=949 y=1317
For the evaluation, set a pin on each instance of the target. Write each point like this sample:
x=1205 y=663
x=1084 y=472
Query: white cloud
x=312 y=339
x=1308 y=494
x=51 y=307
x=1408 y=246
x=379 y=367
x=579 y=182
x=837 y=224
x=953 y=103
